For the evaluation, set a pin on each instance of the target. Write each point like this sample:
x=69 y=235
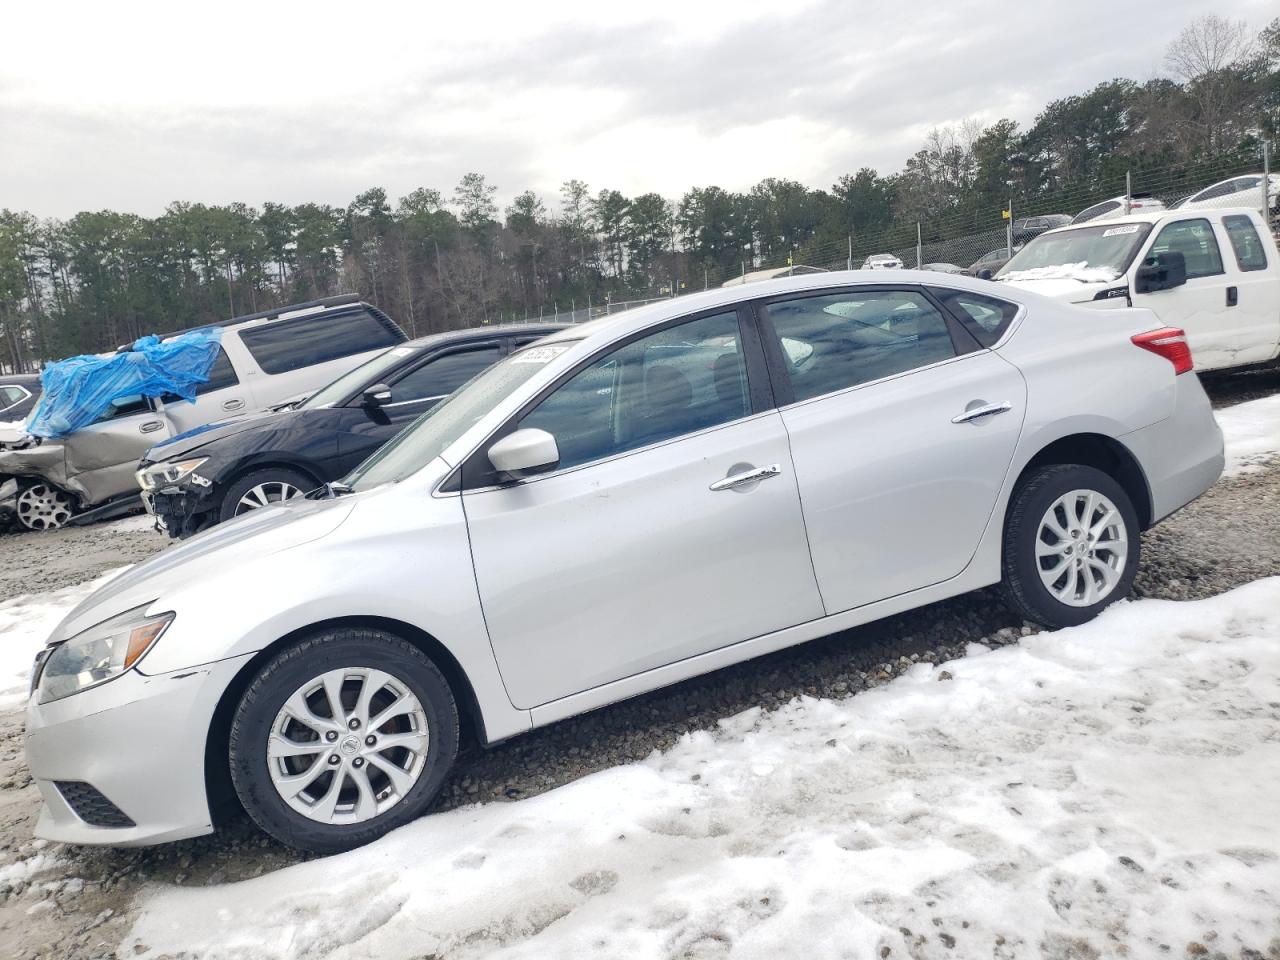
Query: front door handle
x=986 y=410
x=151 y=426
x=1233 y=296
x=236 y=404
x=754 y=475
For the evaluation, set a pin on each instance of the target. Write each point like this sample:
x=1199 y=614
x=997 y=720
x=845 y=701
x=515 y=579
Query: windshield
x=371 y=371
x=428 y=436
x=1088 y=254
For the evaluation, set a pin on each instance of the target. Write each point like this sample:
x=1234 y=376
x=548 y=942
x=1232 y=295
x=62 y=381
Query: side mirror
x=376 y=395
x=525 y=452
x=984 y=274
x=1160 y=271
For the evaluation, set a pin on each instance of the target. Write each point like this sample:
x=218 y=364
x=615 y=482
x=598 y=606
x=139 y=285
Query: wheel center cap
x=351 y=746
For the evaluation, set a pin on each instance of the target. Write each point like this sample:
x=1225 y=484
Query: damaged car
x=50 y=475
x=215 y=473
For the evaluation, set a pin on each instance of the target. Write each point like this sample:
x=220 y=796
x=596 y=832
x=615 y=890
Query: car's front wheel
x=263 y=488
x=342 y=737
x=42 y=506
x=1071 y=545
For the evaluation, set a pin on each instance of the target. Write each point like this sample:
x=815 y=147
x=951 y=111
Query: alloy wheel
x=272 y=491
x=42 y=506
x=348 y=745
x=1082 y=545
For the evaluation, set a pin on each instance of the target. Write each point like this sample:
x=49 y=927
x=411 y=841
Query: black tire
x=292 y=668
x=1022 y=584
x=269 y=476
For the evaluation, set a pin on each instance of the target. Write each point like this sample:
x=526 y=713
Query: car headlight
x=101 y=653
x=163 y=474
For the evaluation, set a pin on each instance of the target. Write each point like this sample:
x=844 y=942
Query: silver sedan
x=618 y=507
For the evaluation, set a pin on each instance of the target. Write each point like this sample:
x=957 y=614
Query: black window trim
x=474 y=474
x=962 y=341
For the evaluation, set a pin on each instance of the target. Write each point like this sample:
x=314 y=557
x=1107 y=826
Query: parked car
x=1215 y=274
x=991 y=261
x=264 y=359
x=1243 y=191
x=214 y=473
x=772 y=273
x=1025 y=228
x=1138 y=203
x=882 y=261
x=615 y=508
x=943 y=268
x=18 y=395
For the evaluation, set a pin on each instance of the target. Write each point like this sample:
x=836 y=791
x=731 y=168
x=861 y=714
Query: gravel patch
x=75 y=903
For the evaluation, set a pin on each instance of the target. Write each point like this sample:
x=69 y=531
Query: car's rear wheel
x=263 y=488
x=341 y=738
x=1071 y=545
x=42 y=506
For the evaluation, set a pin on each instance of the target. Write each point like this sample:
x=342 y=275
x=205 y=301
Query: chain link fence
x=968 y=240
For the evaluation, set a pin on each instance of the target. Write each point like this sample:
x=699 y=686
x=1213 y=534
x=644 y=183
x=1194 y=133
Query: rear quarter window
x=1245 y=243
x=299 y=342
x=987 y=318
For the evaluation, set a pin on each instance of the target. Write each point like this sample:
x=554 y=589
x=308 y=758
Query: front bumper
x=179 y=510
x=139 y=741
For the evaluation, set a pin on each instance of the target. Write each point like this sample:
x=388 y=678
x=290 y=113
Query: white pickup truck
x=1214 y=273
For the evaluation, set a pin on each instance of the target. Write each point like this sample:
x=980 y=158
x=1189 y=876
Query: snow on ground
x=25 y=625
x=1251 y=432
x=1103 y=790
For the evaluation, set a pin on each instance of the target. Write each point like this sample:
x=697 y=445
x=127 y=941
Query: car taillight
x=1170 y=343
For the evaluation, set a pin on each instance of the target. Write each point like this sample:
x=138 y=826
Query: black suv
x=219 y=471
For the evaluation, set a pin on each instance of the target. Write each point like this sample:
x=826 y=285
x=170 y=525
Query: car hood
x=1065 y=288
x=224 y=551
x=185 y=443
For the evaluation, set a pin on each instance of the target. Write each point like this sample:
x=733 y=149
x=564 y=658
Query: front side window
x=1193 y=239
x=1245 y=243
x=673 y=382
x=443 y=375
x=284 y=345
x=857 y=337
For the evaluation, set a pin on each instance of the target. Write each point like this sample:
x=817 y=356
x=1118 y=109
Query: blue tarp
x=78 y=391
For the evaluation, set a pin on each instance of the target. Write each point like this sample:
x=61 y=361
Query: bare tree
x=1212 y=57
x=1209 y=45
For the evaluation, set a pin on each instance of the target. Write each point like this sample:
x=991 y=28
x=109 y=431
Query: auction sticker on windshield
x=1121 y=231
x=540 y=354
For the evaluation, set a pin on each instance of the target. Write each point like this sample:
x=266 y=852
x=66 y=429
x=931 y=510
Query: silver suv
x=264 y=360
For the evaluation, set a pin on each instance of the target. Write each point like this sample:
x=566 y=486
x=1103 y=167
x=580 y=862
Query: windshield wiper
x=334 y=488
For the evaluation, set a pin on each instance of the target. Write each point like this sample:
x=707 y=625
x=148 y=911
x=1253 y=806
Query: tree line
x=435 y=261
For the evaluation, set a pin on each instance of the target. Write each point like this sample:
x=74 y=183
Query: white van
x=1213 y=273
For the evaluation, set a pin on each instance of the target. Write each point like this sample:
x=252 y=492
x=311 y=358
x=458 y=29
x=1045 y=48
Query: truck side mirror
x=1161 y=271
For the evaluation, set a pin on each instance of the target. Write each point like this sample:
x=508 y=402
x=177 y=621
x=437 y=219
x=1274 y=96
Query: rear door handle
x=151 y=426
x=754 y=475
x=987 y=410
x=232 y=404
x=1233 y=296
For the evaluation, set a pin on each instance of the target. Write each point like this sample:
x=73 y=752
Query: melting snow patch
x=1105 y=790
x=1064 y=271
x=1251 y=432
x=25 y=625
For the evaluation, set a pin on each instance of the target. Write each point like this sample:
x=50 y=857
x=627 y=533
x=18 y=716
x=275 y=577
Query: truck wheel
x=1071 y=545
x=42 y=506
x=262 y=488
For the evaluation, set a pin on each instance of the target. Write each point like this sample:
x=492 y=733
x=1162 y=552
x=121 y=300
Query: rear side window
x=9 y=396
x=305 y=341
x=836 y=341
x=985 y=317
x=1245 y=242
x=222 y=374
x=1097 y=210
x=443 y=375
x=1193 y=239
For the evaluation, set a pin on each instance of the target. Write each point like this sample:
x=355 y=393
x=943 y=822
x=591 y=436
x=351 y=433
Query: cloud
x=657 y=98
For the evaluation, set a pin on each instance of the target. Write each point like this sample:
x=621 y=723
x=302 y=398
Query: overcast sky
x=130 y=106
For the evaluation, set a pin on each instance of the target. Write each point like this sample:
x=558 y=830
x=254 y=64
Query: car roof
x=1153 y=216
x=639 y=318
x=486 y=332
x=22 y=379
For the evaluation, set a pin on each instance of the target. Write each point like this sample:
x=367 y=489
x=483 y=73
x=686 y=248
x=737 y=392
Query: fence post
x=849 y=263
x=919 y=247
x=1266 y=182
x=1128 y=192
x=1008 y=232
